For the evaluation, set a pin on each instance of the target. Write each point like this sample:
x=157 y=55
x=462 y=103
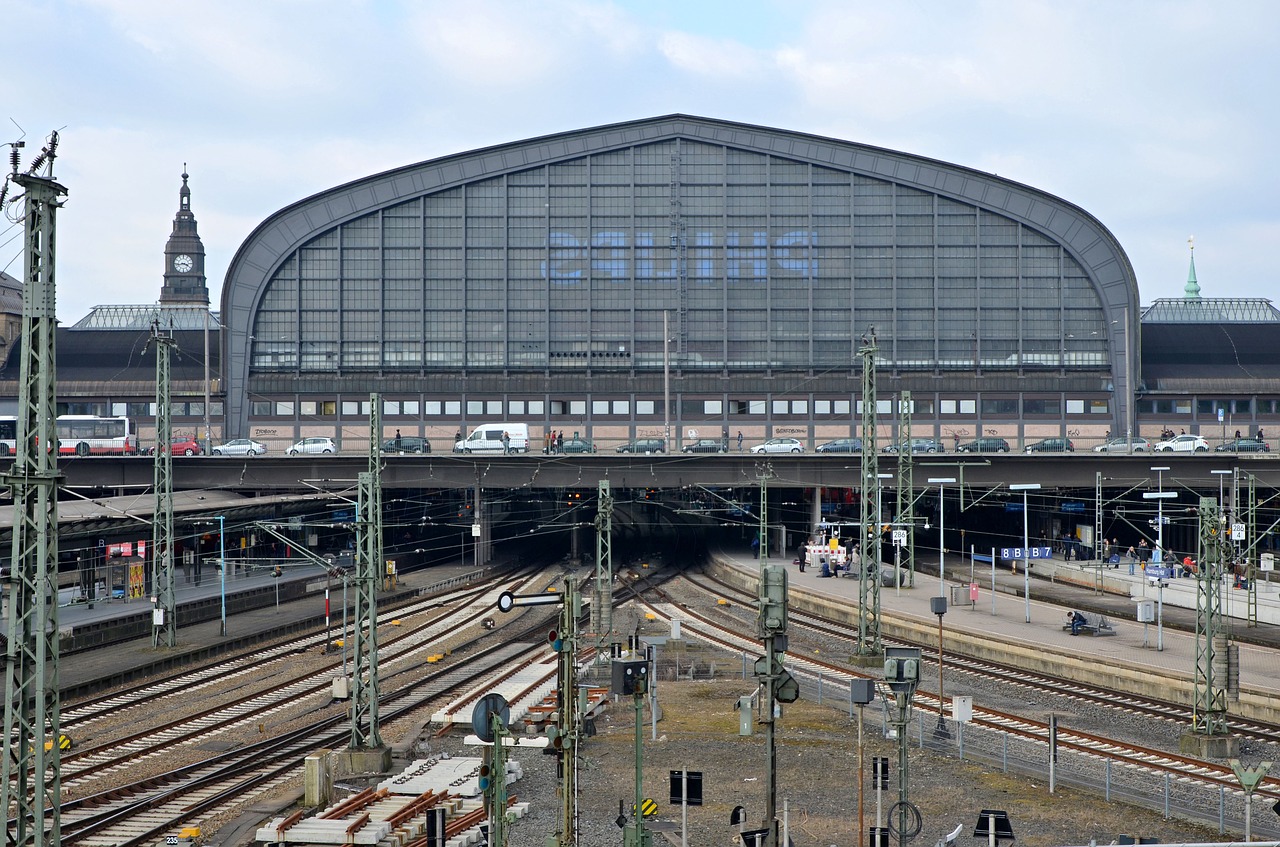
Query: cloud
x=710 y=57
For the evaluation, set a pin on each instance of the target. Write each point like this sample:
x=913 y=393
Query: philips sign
x=741 y=255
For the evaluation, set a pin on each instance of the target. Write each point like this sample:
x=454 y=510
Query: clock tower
x=184 y=280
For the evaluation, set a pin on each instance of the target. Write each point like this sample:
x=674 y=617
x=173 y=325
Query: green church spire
x=1192 y=289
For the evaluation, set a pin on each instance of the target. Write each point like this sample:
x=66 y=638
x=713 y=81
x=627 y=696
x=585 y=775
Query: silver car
x=240 y=447
x=1121 y=445
x=315 y=444
x=779 y=445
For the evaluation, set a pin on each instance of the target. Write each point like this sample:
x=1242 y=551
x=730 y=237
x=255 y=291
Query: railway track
x=515 y=659
x=727 y=632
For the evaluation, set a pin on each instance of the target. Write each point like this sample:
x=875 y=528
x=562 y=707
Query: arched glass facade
x=554 y=280
x=761 y=262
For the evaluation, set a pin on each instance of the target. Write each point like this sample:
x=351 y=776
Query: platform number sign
x=1026 y=552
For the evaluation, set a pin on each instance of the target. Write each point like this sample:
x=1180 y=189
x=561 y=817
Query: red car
x=184 y=445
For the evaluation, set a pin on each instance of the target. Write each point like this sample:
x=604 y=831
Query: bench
x=1094 y=624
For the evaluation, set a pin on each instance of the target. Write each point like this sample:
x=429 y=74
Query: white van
x=487 y=438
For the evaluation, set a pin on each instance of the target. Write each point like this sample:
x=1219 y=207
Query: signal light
x=554 y=639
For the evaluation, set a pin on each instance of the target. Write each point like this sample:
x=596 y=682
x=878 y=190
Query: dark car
x=406 y=444
x=705 y=445
x=1244 y=445
x=644 y=445
x=918 y=445
x=984 y=445
x=575 y=445
x=840 y=445
x=1052 y=445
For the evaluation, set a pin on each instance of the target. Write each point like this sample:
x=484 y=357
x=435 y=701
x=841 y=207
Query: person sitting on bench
x=1077 y=620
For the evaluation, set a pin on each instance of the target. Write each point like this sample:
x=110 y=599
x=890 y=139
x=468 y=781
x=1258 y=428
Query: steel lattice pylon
x=364 y=654
x=1209 y=710
x=165 y=632
x=32 y=772
x=602 y=595
x=906 y=512
x=869 y=524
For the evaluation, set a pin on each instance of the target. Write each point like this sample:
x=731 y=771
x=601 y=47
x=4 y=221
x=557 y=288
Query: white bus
x=80 y=435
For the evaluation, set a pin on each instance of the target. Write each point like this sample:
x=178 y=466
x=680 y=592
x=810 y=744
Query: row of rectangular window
x=1207 y=406
x=715 y=408
x=138 y=409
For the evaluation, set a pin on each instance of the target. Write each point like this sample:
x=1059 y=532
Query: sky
x=1159 y=118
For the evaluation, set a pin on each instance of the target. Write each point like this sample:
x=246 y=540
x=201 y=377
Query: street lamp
x=941 y=481
x=1222 y=506
x=222 y=570
x=1159 y=496
x=1024 y=487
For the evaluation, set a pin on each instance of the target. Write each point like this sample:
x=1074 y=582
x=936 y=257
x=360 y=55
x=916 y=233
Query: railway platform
x=1005 y=615
x=136 y=657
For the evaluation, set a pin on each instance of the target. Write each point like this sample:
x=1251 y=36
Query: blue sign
x=1026 y=553
x=1156 y=572
x=1073 y=506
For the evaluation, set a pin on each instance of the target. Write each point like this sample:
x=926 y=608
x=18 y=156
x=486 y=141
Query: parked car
x=240 y=447
x=574 y=444
x=779 y=445
x=1243 y=445
x=643 y=445
x=314 y=444
x=840 y=445
x=1183 y=444
x=705 y=445
x=984 y=445
x=1121 y=445
x=1052 y=445
x=406 y=444
x=184 y=445
x=918 y=445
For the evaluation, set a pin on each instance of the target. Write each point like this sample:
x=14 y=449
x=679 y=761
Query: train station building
x=677 y=276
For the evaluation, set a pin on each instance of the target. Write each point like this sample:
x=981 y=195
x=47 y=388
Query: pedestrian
x=1144 y=553
x=560 y=441
x=506 y=442
x=739 y=441
x=397 y=439
x=1259 y=433
x=1115 y=553
x=724 y=440
x=546 y=442
x=1077 y=620
x=457 y=436
x=1237 y=435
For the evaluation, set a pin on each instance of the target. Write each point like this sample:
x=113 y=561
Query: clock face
x=183 y=263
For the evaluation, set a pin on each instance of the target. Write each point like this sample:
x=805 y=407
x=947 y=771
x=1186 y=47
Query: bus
x=80 y=435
